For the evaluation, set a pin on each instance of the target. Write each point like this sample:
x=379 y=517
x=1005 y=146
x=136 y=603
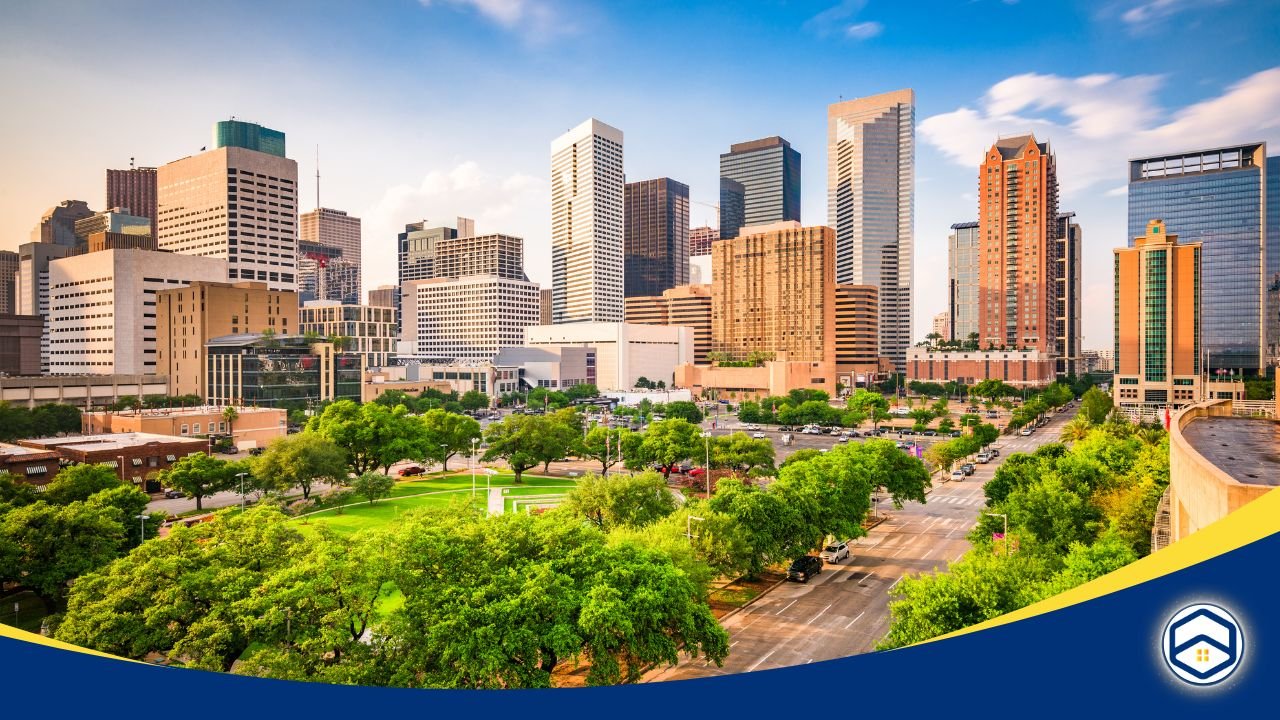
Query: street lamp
x=473 y=465
x=142 y=528
x=1006 y=529
x=706 y=438
x=488 y=476
x=444 y=455
x=688 y=526
x=241 y=475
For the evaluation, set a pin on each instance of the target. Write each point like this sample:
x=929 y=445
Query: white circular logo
x=1202 y=644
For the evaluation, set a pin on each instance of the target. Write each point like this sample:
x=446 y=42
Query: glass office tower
x=1216 y=197
x=769 y=172
x=251 y=136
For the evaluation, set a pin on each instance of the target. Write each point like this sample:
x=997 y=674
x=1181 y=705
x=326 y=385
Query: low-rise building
x=624 y=352
x=377 y=381
x=771 y=377
x=366 y=329
x=83 y=391
x=1020 y=368
x=252 y=427
x=31 y=465
x=688 y=305
x=20 y=344
x=285 y=371
x=138 y=458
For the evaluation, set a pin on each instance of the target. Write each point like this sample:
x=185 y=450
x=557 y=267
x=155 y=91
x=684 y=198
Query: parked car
x=995 y=451
x=930 y=433
x=784 y=428
x=257 y=451
x=968 y=468
x=957 y=474
x=954 y=433
x=984 y=457
x=804 y=567
x=1026 y=431
x=696 y=472
x=684 y=467
x=173 y=494
x=972 y=409
x=753 y=426
x=991 y=413
x=901 y=411
x=411 y=470
x=835 y=553
x=758 y=436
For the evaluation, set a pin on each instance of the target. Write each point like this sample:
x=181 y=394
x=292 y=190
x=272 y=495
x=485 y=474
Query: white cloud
x=1096 y=122
x=864 y=30
x=536 y=20
x=511 y=204
x=1151 y=11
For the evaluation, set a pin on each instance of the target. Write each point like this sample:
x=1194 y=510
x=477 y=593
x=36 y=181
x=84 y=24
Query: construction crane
x=712 y=206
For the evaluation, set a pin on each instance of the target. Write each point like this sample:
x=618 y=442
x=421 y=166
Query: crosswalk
x=957 y=500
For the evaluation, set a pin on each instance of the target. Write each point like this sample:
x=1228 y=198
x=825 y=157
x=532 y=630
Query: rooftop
x=194 y=410
x=1247 y=449
x=105 y=441
x=12 y=450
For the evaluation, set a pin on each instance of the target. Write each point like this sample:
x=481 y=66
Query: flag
x=997 y=536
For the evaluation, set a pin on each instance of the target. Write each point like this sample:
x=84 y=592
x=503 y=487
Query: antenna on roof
x=317 y=176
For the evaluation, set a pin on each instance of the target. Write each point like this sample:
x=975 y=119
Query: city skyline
x=1099 y=105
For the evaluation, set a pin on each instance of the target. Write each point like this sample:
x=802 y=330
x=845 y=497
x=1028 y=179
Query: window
x=195 y=428
x=184 y=429
x=137 y=462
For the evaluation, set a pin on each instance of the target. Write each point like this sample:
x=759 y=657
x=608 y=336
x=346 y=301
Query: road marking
x=793 y=602
x=735 y=642
x=865 y=579
x=953 y=562
x=820 y=614
x=756 y=664
x=806 y=662
x=926 y=555
x=900 y=550
x=895 y=582
x=846 y=627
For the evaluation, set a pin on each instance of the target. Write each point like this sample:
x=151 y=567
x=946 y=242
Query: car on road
x=696 y=472
x=172 y=494
x=901 y=411
x=972 y=408
x=804 y=567
x=1026 y=431
x=930 y=433
x=954 y=433
x=835 y=553
x=784 y=428
x=257 y=451
x=411 y=470
x=984 y=457
x=968 y=468
x=995 y=451
x=753 y=426
x=957 y=474
x=991 y=413
x=758 y=436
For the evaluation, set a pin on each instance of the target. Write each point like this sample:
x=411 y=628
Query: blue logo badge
x=1202 y=644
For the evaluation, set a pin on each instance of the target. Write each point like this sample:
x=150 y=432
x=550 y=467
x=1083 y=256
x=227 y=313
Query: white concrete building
x=587 y=188
x=235 y=204
x=471 y=317
x=31 y=286
x=102 y=307
x=624 y=352
x=371 y=328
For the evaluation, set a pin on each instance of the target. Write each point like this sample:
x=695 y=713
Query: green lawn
x=435 y=491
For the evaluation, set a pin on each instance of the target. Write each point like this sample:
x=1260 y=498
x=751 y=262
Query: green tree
x=372 y=485
x=562 y=435
x=50 y=545
x=604 y=445
x=474 y=400
x=128 y=503
x=740 y=452
x=54 y=418
x=79 y=482
x=448 y=434
x=517 y=439
x=230 y=415
x=684 y=410
x=300 y=461
x=669 y=442
x=199 y=475
x=16 y=492
x=371 y=435
x=15 y=422
x=801 y=456
x=608 y=502
x=1095 y=406
x=768 y=527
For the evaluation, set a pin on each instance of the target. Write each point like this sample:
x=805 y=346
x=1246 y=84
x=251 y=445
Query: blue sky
x=444 y=108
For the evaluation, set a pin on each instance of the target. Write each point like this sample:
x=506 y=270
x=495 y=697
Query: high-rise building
x=134 y=189
x=236 y=204
x=189 y=317
x=586 y=224
x=962 y=280
x=383 y=296
x=655 y=236
x=102 y=307
x=871 y=204
x=334 y=228
x=280 y=371
x=8 y=282
x=688 y=305
x=1217 y=197
x=366 y=329
x=1066 y=273
x=497 y=254
x=1157 y=319
x=20 y=344
x=250 y=136
x=32 y=286
x=700 y=239
x=857 y=311
x=1017 y=237
x=544 y=306
x=416 y=254
x=115 y=221
x=470 y=317
x=942 y=326
x=324 y=273
x=768 y=171
x=58 y=224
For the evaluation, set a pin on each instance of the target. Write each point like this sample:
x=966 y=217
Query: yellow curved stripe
x=36 y=639
x=1250 y=523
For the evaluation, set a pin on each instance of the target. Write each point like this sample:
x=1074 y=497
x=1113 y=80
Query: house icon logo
x=1202 y=644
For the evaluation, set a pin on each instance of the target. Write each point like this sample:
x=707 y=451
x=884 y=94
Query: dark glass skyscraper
x=655 y=236
x=1216 y=197
x=769 y=172
x=251 y=136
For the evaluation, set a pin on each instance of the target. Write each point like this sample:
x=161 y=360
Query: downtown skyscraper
x=871 y=204
x=759 y=184
x=1218 y=197
x=587 y=224
x=656 y=236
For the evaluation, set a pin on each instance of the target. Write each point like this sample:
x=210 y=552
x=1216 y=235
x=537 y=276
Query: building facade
x=279 y=371
x=189 y=317
x=700 y=240
x=498 y=255
x=58 y=224
x=655 y=236
x=1216 y=197
x=383 y=296
x=871 y=205
x=1020 y=368
x=32 y=286
x=115 y=221
x=235 y=204
x=103 y=308
x=138 y=458
x=688 y=305
x=941 y=325
x=83 y=391
x=544 y=306
x=962 y=281
x=368 y=330
x=587 y=224
x=857 y=311
x=334 y=228
x=8 y=282
x=253 y=426
x=470 y=317
x=20 y=337
x=1158 y=320
x=1067 y=268
x=135 y=189
x=249 y=136
x=768 y=171
x=624 y=352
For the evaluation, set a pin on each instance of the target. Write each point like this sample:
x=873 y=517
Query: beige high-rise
x=333 y=228
x=188 y=317
x=236 y=204
x=587 y=224
x=688 y=305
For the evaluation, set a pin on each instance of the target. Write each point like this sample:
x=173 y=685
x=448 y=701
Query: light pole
x=241 y=475
x=688 y=526
x=706 y=439
x=444 y=457
x=473 y=465
x=1006 y=530
x=142 y=528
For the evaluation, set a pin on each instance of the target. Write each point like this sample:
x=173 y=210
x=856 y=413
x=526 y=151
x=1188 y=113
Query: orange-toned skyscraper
x=1017 y=228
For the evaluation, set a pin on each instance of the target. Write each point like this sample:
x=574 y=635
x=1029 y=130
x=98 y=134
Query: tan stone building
x=688 y=305
x=1157 y=323
x=253 y=427
x=187 y=318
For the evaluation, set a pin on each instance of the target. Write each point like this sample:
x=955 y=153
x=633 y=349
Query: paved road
x=845 y=610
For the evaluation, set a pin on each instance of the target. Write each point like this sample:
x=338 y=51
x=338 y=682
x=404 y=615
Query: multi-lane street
x=845 y=610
